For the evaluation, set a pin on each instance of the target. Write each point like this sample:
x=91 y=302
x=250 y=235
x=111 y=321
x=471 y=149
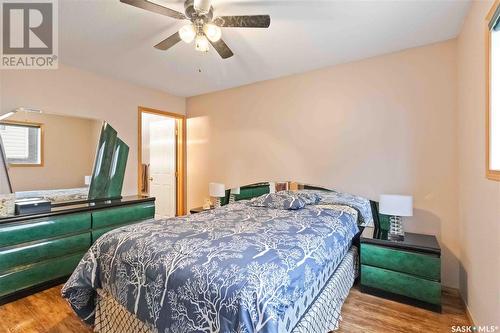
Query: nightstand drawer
x=401 y=284
x=421 y=265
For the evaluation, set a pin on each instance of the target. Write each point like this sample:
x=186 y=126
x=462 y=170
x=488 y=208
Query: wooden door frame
x=180 y=169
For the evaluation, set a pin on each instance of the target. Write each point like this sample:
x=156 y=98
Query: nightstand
x=407 y=271
x=199 y=210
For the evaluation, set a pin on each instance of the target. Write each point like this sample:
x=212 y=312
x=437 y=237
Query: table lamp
x=217 y=191
x=396 y=206
x=232 y=196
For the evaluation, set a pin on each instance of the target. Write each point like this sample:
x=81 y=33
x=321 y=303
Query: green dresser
x=108 y=219
x=408 y=271
x=39 y=251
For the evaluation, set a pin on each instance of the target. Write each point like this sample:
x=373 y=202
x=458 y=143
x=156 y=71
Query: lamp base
x=396 y=231
x=216 y=202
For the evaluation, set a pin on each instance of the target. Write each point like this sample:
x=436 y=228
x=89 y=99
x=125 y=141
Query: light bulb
x=201 y=43
x=187 y=33
x=213 y=32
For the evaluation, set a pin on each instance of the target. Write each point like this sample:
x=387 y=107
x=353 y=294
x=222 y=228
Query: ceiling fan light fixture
x=204 y=28
x=202 y=6
x=213 y=32
x=187 y=33
x=201 y=43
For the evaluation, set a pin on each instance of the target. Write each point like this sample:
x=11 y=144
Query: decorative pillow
x=362 y=205
x=279 y=200
x=309 y=197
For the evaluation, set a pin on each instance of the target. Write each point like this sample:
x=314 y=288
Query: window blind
x=21 y=143
x=16 y=141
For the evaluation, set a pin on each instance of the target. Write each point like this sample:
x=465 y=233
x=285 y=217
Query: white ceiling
x=115 y=39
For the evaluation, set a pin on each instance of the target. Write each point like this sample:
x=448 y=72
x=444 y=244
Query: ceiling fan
x=204 y=28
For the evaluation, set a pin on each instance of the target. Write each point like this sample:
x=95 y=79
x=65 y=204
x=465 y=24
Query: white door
x=162 y=165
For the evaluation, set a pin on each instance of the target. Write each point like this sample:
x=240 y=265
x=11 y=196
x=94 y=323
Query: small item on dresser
x=32 y=206
x=207 y=205
x=7 y=204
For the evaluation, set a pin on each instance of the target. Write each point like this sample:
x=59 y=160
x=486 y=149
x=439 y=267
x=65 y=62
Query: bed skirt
x=324 y=313
x=322 y=316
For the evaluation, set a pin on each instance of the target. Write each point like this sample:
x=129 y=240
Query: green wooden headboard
x=381 y=221
x=247 y=192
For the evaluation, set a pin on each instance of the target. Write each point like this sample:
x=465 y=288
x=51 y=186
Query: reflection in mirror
x=49 y=152
x=22 y=142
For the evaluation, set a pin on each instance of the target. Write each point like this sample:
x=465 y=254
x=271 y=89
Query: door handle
x=150 y=179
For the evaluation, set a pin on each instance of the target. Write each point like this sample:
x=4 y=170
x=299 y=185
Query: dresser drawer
x=122 y=215
x=38 y=273
x=418 y=264
x=38 y=229
x=401 y=284
x=99 y=232
x=25 y=254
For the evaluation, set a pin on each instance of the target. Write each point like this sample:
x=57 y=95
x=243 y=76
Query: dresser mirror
x=49 y=152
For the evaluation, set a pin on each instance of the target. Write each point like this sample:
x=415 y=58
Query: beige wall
x=72 y=91
x=66 y=141
x=479 y=200
x=381 y=125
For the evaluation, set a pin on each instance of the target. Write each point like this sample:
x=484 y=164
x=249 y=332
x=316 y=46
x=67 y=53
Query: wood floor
x=370 y=314
x=48 y=312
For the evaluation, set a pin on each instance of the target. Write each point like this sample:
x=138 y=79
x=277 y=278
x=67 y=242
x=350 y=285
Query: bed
x=281 y=262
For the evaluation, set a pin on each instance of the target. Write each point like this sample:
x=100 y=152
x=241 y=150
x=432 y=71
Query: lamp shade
x=187 y=33
x=396 y=205
x=217 y=190
x=235 y=190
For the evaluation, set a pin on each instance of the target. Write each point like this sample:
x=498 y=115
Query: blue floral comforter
x=233 y=269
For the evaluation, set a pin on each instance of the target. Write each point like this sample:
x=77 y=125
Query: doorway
x=161 y=153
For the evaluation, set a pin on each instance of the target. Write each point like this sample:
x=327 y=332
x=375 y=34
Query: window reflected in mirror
x=23 y=143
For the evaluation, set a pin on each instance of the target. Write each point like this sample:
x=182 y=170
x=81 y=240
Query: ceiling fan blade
x=246 y=21
x=153 y=7
x=222 y=48
x=168 y=42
